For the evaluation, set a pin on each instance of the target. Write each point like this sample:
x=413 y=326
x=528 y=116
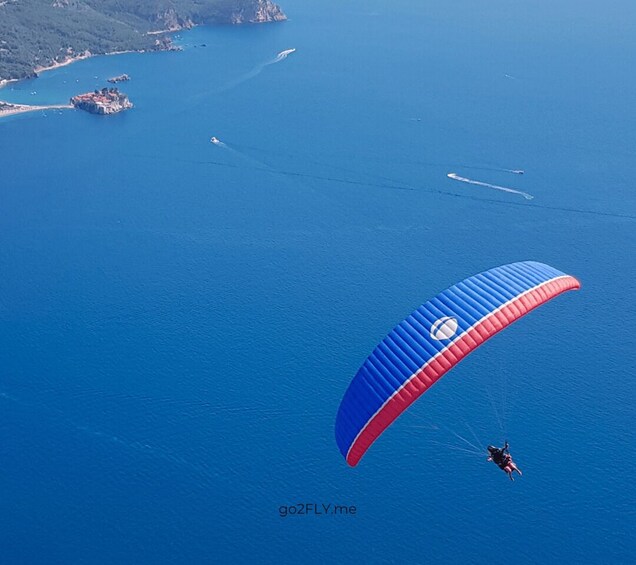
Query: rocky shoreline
x=257 y=12
x=263 y=11
x=120 y=78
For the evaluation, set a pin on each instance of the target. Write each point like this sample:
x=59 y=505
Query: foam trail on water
x=258 y=69
x=488 y=185
x=282 y=55
x=244 y=156
x=253 y=73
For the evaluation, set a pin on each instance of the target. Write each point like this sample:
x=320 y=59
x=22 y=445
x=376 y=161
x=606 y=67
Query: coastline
x=236 y=13
x=56 y=65
x=15 y=109
x=164 y=43
x=12 y=109
x=66 y=62
x=82 y=57
x=5 y=81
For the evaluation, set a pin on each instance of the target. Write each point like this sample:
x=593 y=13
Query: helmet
x=492 y=448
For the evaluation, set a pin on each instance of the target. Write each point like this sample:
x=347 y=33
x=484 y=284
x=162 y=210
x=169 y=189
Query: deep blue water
x=179 y=320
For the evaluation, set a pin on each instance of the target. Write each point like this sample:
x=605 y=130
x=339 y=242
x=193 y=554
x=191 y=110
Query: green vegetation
x=38 y=33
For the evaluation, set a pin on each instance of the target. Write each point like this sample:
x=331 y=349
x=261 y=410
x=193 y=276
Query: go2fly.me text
x=315 y=509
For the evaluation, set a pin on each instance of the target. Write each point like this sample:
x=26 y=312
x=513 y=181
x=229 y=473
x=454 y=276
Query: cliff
x=259 y=11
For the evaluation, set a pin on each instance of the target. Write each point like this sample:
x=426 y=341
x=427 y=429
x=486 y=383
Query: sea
x=179 y=319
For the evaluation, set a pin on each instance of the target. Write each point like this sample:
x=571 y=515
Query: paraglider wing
x=432 y=340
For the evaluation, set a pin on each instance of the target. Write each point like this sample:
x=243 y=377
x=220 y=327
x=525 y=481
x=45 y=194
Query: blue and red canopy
x=432 y=340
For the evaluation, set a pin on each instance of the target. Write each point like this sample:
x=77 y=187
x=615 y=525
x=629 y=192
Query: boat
x=215 y=140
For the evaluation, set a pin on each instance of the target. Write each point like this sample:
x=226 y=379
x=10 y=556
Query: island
x=103 y=102
x=37 y=35
x=120 y=78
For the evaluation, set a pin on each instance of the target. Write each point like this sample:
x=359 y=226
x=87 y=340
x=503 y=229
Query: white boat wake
x=488 y=185
x=280 y=57
x=283 y=55
x=487 y=168
x=251 y=161
x=257 y=70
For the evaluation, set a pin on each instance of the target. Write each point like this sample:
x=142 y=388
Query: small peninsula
x=37 y=35
x=9 y=109
x=103 y=102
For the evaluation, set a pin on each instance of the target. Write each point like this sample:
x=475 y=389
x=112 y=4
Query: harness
x=501 y=459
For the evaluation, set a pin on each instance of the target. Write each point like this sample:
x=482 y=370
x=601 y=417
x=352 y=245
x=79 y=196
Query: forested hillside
x=38 y=33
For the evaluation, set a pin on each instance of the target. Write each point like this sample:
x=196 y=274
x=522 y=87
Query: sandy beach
x=64 y=63
x=8 y=109
x=37 y=70
x=86 y=55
